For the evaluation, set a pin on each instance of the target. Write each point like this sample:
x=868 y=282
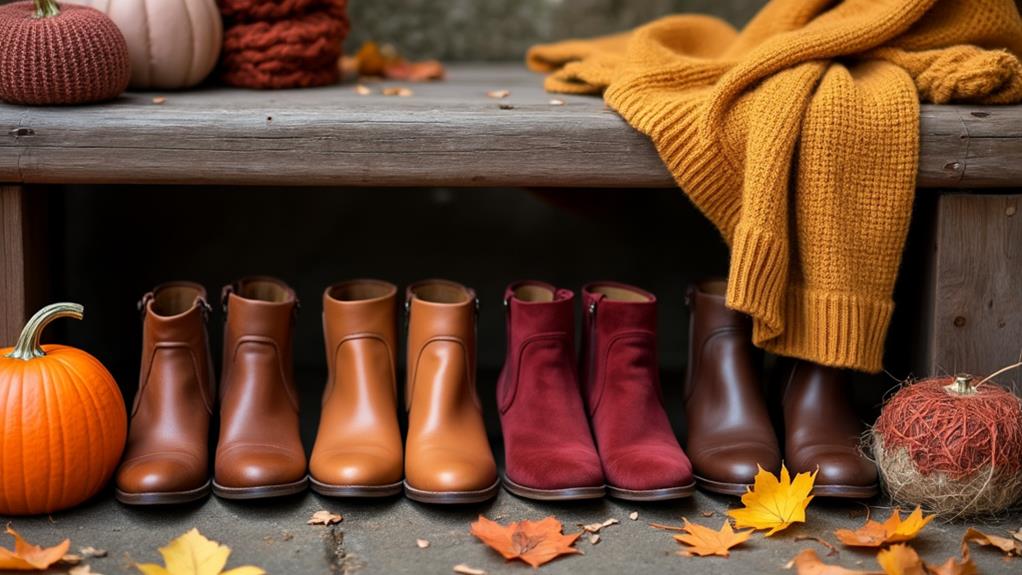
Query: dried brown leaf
x=324 y=518
x=1009 y=546
x=955 y=566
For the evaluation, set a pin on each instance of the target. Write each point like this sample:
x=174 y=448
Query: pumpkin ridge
x=84 y=390
x=21 y=438
x=64 y=467
x=5 y=384
x=48 y=425
x=77 y=381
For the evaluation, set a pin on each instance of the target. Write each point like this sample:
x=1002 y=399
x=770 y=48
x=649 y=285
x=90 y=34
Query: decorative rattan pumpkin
x=62 y=421
x=173 y=44
x=60 y=54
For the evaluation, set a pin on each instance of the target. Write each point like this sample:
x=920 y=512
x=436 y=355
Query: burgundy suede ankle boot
x=642 y=458
x=549 y=451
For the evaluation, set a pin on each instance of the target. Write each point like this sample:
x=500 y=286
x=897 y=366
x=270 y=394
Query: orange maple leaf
x=955 y=566
x=28 y=557
x=893 y=530
x=534 y=542
x=809 y=563
x=901 y=559
x=703 y=541
x=774 y=503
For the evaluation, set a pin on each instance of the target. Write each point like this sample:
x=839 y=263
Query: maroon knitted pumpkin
x=52 y=54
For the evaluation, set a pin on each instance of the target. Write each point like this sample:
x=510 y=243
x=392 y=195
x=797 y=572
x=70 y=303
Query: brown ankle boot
x=358 y=450
x=448 y=457
x=822 y=431
x=167 y=456
x=260 y=451
x=729 y=428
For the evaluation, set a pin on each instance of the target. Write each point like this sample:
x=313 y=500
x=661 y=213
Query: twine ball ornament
x=952 y=446
x=53 y=54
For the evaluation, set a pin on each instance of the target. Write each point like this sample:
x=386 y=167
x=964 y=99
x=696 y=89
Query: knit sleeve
x=960 y=74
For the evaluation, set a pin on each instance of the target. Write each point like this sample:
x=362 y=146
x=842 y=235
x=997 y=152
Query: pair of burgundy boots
x=576 y=431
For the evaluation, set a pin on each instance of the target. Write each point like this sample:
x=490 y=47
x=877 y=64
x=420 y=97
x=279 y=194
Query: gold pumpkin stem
x=46 y=8
x=27 y=347
x=962 y=385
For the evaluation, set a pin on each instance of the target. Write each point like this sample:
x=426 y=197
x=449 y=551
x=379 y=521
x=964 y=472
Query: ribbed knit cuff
x=757 y=278
x=834 y=329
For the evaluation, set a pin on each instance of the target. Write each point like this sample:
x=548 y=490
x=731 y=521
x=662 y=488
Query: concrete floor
x=380 y=537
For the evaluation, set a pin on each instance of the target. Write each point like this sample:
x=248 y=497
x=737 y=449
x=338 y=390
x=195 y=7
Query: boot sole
x=452 y=497
x=847 y=491
x=360 y=491
x=261 y=491
x=163 y=498
x=737 y=489
x=566 y=494
x=664 y=494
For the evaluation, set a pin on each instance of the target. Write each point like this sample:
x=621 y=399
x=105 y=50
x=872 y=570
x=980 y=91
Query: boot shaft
x=361 y=313
x=717 y=336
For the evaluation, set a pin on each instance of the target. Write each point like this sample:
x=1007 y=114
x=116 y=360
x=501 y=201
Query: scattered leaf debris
x=324 y=518
x=831 y=548
x=708 y=513
x=498 y=94
x=463 y=569
x=363 y=90
x=1009 y=546
x=556 y=102
x=83 y=570
x=384 y=61
x=159 y=100
x=422 y=543
x=634 y=515
x=594 y=538
x=400 y=91
x=595 y=527
x=71 y=559
x=91 y=551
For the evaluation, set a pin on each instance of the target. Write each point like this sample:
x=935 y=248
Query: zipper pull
x=592 y=309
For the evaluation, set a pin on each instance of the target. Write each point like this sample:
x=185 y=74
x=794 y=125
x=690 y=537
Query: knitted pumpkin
x=60 y=54
x=62 y=422
x=173 y=44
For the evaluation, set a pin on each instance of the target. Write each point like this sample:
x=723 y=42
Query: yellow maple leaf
x=703 y=541
x=901 y=560
x=29 y=557
x=893 y=530
x=193 y=554
x=774 y=503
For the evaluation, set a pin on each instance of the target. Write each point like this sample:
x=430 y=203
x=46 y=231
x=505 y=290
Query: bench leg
x=22 y=263
x=974 y=291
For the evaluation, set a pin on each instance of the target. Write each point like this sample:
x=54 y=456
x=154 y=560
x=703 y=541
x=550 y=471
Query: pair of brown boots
x=358 y=450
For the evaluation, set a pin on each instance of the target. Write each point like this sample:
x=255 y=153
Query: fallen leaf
x=900 y=559
x=595 y=527
x=955 y=566
x=534 y=542
x=594 y=538
x=556 y=102
x=634 y=515
x=28 y=557
x=1009 y=546
x=498 y=94
x=397 y=91
x=775 y=504
x=92 y=552
x=324 y=517
x=362 y=90
x=703 y=541
x=422 y=543
x=372 y=59
x=831 y=549
x=83 y=570
x=708 y=513
x=807 y=562
x=466 y=570
x=193 y=554
x=406 y=71
x=159 y=100
x=893 y=530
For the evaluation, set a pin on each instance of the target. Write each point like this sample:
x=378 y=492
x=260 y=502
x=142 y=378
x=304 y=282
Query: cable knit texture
x=798 y=138
x=282 y=43
x=76 y=57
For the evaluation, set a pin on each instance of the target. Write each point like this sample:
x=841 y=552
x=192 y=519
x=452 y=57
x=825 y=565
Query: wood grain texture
x=976 y=285
x=12 y=263
x=447 y=134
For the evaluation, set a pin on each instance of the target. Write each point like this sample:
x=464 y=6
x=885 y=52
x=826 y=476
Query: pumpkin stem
x=27 y=347
x=46 y=8
x=962 y=385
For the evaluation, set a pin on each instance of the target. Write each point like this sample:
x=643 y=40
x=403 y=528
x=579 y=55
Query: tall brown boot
x=167 y=456
x=260 y=451
x=358 y=450
x=822 y=431
x=448 y=457
x=729 y=428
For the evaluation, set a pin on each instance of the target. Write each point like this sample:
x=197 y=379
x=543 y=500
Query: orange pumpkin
x=62 y=421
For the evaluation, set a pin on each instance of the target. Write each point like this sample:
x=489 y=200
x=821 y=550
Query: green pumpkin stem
x=46 y=8
x=28 y=347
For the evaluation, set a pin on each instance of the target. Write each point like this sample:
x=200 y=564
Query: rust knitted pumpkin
x=60 y=54
x=62 y=422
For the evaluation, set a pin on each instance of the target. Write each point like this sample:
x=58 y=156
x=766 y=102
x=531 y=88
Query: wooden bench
x=452 y=134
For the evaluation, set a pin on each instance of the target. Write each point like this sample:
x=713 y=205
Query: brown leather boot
x=358 y=450
x=729 y=428
x=260 y=451
x=822 y=430
x=447 y=456
x=167 y=456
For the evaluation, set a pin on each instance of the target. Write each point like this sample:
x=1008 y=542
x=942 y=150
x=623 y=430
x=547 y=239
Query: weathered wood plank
x=976 y=285
x=447 y=134
x=21 y=258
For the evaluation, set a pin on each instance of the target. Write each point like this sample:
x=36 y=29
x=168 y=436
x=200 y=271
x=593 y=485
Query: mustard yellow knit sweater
x=798 y=138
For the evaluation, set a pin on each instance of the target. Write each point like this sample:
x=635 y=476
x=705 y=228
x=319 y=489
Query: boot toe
x=166 y=472
x=355 y=468
x=736 y=464
x=258 y=467
x=838 y=466
x=556 y=469
x=649 y=468
x=450 y=471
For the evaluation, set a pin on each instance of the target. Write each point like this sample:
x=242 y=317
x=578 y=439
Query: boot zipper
x=591 y=344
